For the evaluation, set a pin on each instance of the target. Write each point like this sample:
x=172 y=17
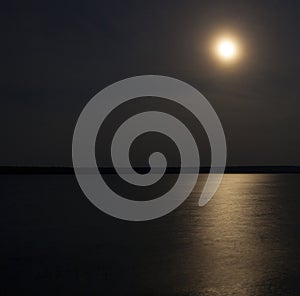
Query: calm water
x=246 y=241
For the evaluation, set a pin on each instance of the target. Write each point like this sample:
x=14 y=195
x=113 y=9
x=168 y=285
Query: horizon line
x=69 y=170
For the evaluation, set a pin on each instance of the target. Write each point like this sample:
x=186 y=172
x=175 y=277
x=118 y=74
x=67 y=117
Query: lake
x=245 y=241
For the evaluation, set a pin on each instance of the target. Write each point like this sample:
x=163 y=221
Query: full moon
x=226 y=49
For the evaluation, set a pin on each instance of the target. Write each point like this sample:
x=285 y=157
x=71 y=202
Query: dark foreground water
x=246 y=241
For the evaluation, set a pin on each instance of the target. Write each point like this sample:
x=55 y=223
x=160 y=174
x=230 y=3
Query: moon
x=226 y=49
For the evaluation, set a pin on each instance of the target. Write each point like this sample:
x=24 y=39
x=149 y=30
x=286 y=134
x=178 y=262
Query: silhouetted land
x=171 y=170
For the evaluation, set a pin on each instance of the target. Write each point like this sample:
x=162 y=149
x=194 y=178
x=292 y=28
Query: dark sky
x=56 y=55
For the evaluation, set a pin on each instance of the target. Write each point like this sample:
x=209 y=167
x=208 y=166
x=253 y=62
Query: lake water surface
x=245 y=241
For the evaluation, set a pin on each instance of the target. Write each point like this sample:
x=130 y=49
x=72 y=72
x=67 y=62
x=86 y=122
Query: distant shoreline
x=36 y=170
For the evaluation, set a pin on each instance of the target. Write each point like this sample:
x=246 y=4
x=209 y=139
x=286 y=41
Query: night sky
x=56 y=55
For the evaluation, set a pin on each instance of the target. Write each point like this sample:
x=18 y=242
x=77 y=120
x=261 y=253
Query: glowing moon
x=226 y=49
